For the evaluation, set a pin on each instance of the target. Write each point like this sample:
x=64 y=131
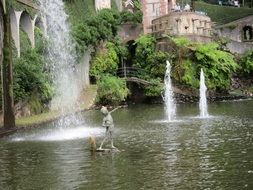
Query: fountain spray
x=170 y=107
x=202 y=92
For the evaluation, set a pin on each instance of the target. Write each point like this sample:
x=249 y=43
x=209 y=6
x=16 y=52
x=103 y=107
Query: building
x=239 y=34
x=153 y=9
x=192 y=25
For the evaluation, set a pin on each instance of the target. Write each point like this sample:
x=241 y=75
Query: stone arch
x=247 y=33
x=40 y=23
x=131 y=46
x=26 y=23
x=15 y=21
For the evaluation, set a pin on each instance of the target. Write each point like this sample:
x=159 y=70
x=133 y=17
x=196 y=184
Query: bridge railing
x=126 y=72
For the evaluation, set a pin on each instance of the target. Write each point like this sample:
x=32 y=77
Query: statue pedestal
x=107 y=150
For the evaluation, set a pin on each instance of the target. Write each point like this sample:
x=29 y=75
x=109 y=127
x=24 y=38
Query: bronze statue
x=109 y=125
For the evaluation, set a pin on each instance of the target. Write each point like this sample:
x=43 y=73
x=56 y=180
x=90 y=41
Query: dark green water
x=191 y=153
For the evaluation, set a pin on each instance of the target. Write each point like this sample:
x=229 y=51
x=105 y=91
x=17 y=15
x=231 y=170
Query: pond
x=189 y=153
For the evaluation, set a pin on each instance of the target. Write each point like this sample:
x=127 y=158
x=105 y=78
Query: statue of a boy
x=108 y=124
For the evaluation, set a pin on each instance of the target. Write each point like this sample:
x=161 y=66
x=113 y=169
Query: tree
x=7 y=80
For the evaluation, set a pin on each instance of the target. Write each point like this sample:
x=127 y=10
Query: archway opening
x=26 y=32
x=247 y=33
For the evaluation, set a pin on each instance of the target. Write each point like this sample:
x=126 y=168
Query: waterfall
x=202 y=94
x=170 y=107
x=61 y=55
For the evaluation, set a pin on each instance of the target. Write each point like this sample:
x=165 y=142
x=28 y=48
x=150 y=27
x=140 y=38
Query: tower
x=153 y=9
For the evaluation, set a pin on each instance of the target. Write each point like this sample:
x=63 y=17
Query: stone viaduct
x=20 y=19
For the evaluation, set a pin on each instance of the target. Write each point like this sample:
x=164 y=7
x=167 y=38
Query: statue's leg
x=100 y=147
x=111 y=138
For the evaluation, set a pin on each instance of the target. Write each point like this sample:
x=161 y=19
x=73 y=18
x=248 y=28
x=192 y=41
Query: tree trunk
x=7 y=80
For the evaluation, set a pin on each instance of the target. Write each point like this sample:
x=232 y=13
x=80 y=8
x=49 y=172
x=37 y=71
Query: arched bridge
x=131 y=74
x=21 y=20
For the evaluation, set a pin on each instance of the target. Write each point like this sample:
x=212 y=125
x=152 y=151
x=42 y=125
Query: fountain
x=60 y=56
x=170 y=107
x=61 y=59
x=202 y=94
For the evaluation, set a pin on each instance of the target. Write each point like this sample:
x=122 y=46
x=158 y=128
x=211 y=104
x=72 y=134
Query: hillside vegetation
x=223 y=14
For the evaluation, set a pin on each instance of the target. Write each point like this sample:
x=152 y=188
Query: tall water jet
x=202 y=94
x=61 y=56
x=170 y=107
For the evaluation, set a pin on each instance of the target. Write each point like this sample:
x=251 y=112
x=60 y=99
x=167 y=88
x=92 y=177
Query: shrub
x=246 y=63
x=190 y=57
x=111 y=90
x=105 y=62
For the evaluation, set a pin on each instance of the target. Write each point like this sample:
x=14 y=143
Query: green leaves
x=218 y=65
x=111 y=90
x=96 y=28
x=246 y=63
x=105 y=62
x=29 y=71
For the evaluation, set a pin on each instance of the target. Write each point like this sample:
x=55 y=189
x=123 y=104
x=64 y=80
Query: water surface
x=190 y=153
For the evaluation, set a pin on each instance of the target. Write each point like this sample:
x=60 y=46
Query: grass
x=222 y=14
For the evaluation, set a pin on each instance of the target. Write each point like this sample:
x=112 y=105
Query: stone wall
x=119 y=4
x=182 y=23
x=128 y=31
x=234 y=31
x=82 y=70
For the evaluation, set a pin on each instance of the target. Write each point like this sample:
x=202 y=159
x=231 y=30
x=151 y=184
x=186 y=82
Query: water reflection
x=191 y=154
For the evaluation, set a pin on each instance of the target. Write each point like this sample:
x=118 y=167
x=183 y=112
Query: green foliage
x=135 y=16
x=218 y=65
x=156 y=64
x=79 y=10
x=36 y=106
x=152 y=62
x=127 y=16
x=96 y=28
x=145 y=46
x=181 y=41
x=189 y=76
x=30 y=76
x=25 y=44
x=246 y=63
x=223 y=14
x=111 y=90
x=119 y=47
x=105 y=62
x=154 y=88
